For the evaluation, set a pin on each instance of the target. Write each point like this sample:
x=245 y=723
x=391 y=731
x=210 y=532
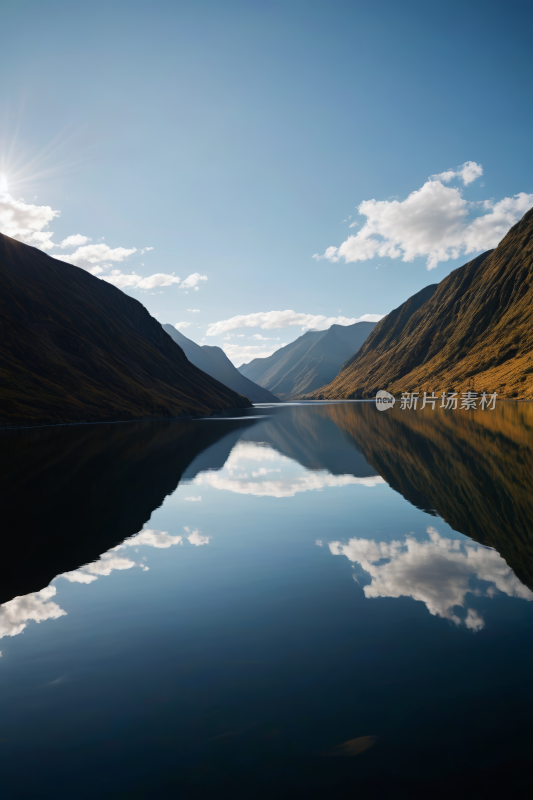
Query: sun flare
x=4 y=184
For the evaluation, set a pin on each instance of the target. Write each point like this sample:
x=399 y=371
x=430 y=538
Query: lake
x=303 y=600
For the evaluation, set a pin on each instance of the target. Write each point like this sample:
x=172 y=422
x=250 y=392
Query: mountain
x=214 y=362
x=308 y=363
x=474 y=331
x=77 y=349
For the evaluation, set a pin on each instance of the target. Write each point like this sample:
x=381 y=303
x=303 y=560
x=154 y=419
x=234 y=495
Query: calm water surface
x=306 y=601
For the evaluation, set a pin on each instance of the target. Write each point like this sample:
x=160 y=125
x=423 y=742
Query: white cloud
x=250 y=451
x=259 y=338
x=197 y=539
x=270 y=320
x=123 y=280
x=194 y=499
x=120 y=279
x=15 y=614
x=432 y=222
x=180 y=325
x=152 y=538
x=76 y=240
x=26 y=222
x=467 y=172
x=193 y=310
x=191 y=282
x=242 y=354
x=446 y=177
x=309 y=482
x=106 y=564
x=90 y=254
x=436 y=572
x=110 y=561
x=264 y=471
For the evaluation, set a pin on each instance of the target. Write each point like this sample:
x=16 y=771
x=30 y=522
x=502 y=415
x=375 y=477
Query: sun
x=4 y=184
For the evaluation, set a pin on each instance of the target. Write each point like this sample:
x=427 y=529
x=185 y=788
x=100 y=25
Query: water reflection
x=70 y=493
x=474 y=470
x=36 y=606
x=439 y=572
x=74 y=499
x=241 y=475
x=212 y=671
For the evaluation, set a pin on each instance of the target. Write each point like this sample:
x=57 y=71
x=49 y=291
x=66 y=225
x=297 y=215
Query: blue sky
x=238 y=139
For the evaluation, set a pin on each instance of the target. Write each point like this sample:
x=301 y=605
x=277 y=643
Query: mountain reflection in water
x=96 y=484
x=271 y=655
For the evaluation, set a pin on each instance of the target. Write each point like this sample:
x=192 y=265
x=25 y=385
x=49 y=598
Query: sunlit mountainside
x=473 y=330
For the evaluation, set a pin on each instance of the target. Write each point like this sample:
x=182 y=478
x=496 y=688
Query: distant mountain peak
x=309 y=362
x=214 y=361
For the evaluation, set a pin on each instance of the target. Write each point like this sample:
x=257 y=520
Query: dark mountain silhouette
x=308 y=363
x=214 y=362
x=475 y=330
x=69 y=493
x=75 y=349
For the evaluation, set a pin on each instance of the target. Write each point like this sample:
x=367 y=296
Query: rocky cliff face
x=475 y=330
x=75 y=349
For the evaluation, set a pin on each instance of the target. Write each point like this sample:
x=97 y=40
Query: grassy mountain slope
x=309 y=362
x=215 y=362
x=75 y=348
x=475 y=330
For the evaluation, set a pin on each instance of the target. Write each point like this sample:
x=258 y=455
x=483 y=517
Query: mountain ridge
x=474 y=331
x=214 y=362
x=306 y=363
x=77 y=349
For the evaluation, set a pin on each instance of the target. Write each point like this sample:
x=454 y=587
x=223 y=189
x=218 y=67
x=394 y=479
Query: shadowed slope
x=214 y=362
x=476 y=329
x=75 y=348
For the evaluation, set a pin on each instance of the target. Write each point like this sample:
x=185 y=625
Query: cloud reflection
x=15 y=615
x=291 y=481
x=437 y=572
x=104 y=566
